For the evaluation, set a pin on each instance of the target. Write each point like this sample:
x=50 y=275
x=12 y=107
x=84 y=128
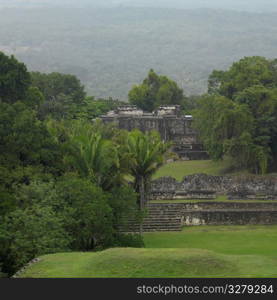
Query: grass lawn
x=234 y=240
x=210 y=251
x=179 y=169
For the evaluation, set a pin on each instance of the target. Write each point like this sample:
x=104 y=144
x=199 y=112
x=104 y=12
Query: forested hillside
x=112 y=49
x=255 y=5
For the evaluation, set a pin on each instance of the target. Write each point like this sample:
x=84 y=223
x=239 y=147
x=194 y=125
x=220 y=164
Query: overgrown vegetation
x=62 y=176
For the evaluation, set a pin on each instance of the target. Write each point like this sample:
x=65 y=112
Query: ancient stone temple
x=168 y=121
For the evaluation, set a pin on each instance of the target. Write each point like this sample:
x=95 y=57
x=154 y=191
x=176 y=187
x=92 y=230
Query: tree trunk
x=142 y=193
x=141 y=199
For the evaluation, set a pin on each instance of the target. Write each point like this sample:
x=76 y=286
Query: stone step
x=165 y=218
x=164 y=209
x=155 y=227
x=160 y=217
x=150 y=204
x=157 y=221
x=163 y=213
x=161 y=223
x=169 y=205
x=168 y=210
x=172 y=216
x=238 y=210
x=154 y=230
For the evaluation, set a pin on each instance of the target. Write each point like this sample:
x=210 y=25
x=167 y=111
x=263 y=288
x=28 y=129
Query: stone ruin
x=171 y=216
x=168 y=121
x=203 y=186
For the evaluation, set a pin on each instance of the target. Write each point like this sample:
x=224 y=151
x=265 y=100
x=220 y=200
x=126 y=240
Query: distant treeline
x=110 y=50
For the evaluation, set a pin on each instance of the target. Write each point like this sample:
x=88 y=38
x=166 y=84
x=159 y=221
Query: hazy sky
x=245 y=5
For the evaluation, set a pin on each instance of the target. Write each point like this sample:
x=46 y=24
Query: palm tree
x=147 y=154
x=92 y=156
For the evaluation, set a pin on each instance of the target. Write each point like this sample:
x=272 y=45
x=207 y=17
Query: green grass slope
x=179 y=169
x=136 y=263
x=210 y=251
x=234 y=240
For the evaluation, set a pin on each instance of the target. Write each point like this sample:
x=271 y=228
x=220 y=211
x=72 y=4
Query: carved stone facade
x=168 y=121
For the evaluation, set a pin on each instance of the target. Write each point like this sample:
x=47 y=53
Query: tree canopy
x=14 y=79
x=147 y=154
x=154 y=91
x=238 y=117
x=63 y=94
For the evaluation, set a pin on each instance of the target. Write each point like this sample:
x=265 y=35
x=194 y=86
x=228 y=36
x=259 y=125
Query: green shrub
x=28 y=233
x=86 y=212
x=129 y=240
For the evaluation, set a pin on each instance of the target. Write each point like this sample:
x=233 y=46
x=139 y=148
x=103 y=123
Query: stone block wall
x=213 y=213
x=229 y=218
x=202 y=186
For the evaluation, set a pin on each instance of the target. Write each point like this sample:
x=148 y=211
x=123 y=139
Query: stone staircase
x=173 y=216
x=191 y=151
x=160 y=217
x=163 y=217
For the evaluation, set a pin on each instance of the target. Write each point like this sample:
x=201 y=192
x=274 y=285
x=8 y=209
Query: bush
x=86 y=213
x=123 y=201
x=129 y=240
x=71 y=214
x=28 y=233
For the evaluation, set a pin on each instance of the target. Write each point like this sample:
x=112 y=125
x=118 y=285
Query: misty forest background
x=111 y=45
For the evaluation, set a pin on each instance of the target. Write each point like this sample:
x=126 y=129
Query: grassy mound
x=210 y=251
x=136 y=263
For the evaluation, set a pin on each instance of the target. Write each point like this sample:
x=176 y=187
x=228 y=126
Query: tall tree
x=154 y=91
x=249 y=71
x=14 y=79
x=24 y=140
x=89 y=154
x=238 y=116
x=222 y=125
x=63 y=93
x=147 y=154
